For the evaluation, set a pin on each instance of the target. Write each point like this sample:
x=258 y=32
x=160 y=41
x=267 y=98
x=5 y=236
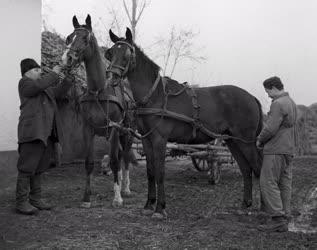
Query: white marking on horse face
x=70 y=44
x=64 y=57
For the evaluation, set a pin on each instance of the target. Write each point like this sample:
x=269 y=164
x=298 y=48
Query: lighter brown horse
x=100 y=105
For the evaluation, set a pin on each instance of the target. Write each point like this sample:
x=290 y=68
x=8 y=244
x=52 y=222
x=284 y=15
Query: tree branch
x=127 y=11
x=140 y=13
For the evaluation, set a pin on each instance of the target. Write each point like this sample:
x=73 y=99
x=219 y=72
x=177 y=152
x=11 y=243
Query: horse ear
x=75 y=22
x=114 y=38
x=128 y=35
x=88 y=21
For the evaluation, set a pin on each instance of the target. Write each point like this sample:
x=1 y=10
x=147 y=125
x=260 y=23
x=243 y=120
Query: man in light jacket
x=277 y=138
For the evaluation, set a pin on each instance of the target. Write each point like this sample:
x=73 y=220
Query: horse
x=171 y=111
x=101 y=106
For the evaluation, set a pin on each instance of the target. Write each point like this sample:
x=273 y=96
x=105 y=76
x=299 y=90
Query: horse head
x=79 y=43
x=121 y=55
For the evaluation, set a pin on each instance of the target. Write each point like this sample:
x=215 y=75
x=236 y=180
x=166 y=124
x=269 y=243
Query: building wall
x=20 y=38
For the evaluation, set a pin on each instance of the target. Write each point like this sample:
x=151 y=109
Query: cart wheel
x=214 y=172
x=201 y=164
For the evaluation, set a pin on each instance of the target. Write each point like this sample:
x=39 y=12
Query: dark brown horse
x=101 y=105
x=164 y=106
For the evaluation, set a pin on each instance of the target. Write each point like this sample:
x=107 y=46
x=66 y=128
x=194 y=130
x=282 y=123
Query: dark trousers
x=34 y=156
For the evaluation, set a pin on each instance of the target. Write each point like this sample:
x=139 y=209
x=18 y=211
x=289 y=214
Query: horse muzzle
x=72 y=59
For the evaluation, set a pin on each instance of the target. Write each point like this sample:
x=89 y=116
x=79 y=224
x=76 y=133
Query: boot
x=22 y=189
x=35 y=193
x=277 y=224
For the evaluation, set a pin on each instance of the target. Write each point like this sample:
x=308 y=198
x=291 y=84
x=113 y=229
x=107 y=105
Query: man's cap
x=27 y=64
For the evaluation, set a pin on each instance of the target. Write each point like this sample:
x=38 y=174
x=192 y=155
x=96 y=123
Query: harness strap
x=102 y=97
x=196 y=108
x=146 y=98
x=192 y=94
x=119 y=95
x=184 y=118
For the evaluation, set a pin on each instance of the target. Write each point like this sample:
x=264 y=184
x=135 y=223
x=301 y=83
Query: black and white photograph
x=156 y=124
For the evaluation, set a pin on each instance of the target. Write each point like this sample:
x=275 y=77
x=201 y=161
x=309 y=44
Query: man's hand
x=57 y=69
x=259 y=144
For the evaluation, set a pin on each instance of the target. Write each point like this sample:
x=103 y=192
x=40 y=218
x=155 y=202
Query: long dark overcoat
x=39 y=114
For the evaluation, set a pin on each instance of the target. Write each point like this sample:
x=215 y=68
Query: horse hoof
x=147 y=212
x=160 y=216
x=107 y=173
x=246 y=204
x=85 y=204
x=117 y=203
x=127 y=193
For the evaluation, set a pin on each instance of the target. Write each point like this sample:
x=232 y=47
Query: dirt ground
x=200 y=216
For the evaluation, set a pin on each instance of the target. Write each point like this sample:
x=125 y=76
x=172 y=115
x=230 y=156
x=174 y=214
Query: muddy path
x=200 y=216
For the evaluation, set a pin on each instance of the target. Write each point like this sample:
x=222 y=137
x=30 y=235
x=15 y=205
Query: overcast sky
x=245 y=41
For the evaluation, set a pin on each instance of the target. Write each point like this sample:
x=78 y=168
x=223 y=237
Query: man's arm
x=61 y=90
x=30 y=88
x=273 y=123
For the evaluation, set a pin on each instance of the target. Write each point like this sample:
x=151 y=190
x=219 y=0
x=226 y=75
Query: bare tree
x=102 y=26
x=46 y=9
x=135 y=14
x=179 y=46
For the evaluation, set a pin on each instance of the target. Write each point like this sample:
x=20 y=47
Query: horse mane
x=95 y=42
x=146 y=64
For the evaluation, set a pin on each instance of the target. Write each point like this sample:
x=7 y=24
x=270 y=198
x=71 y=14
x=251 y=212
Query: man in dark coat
x=38 y=129
x=278 y=137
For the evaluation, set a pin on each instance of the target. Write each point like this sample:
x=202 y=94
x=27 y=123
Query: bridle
x=80 y=53
x=131 y=62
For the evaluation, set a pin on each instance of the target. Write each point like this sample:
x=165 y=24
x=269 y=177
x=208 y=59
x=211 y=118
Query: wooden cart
x=205 y=157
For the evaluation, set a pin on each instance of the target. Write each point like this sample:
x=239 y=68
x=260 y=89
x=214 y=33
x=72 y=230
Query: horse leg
x=246 y=171
x=116 y=167
x=159 y=147
x=126 y=178
x=89 y=166
x=151 y=199
x=254 y=158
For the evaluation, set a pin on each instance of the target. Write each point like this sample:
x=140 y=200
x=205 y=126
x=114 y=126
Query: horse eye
x=86 y=40
x=108 y=54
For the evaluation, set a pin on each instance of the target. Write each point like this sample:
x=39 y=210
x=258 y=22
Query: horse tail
x=257 y=171
x=260 y=124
